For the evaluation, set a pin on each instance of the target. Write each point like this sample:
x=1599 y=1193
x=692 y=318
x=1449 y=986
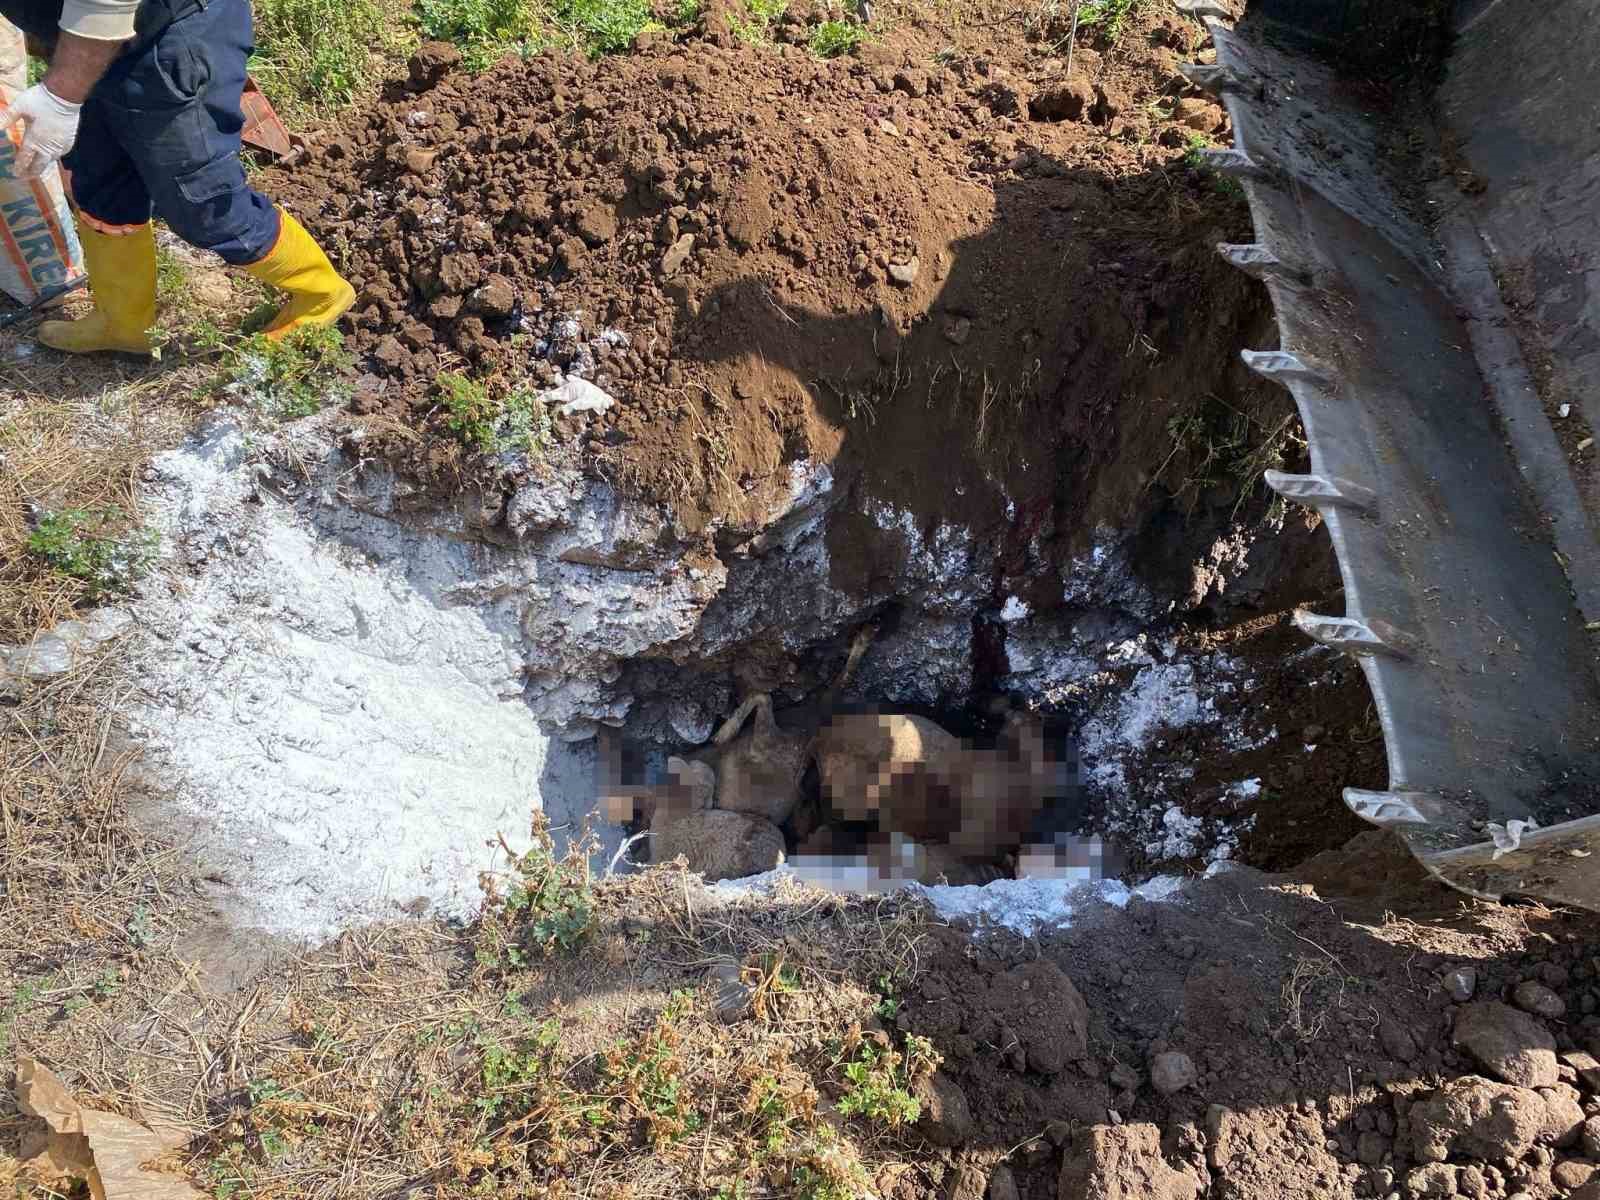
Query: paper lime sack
x=38 y=242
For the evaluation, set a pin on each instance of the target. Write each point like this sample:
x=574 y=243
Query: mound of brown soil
x=955 y=264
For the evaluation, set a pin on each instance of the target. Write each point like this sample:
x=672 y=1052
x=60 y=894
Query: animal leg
x=730 y=728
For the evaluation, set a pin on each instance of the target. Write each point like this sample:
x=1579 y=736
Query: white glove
x=50 y=126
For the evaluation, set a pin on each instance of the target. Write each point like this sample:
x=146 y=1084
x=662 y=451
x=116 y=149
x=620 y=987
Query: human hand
x=50 y=126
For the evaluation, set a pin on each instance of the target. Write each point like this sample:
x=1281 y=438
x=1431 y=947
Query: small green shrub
x=648 y=1073
x=548 y=908
x=485 y=30
x=878 y=1082
x=508 y=1073
x=685 y=12
x=172 y=274
x=833 y=38
x=484 y=422
x=756 y=29
x=295 y=376
x=317 y=52
x=602 y=26
x=1195 y=160
x=89 y=546
x=1107 y=16
x=472 y=414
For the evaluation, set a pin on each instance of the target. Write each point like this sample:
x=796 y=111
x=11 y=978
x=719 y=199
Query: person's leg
x=119 y=250
x=181 y=98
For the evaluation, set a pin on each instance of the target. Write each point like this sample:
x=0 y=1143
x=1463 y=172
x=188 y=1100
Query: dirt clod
x=946 y=1118
x=431 y=63
x=1047 y=1013
x=1509 y=1044
x=1472 y=1117
x=1124 y=1162
x=1068 y=100
x=1397 y=1040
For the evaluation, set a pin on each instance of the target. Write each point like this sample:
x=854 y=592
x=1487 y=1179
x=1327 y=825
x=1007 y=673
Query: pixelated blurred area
x=861 y=800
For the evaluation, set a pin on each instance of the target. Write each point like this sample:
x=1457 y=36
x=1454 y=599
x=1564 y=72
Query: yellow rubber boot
x=318 y=295
x=122 y=277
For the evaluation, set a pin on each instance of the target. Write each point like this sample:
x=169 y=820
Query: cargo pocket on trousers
x=215 y=179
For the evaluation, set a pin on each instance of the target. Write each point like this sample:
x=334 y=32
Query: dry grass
x=406 y=1057
x=47 y=468
x=88 y=908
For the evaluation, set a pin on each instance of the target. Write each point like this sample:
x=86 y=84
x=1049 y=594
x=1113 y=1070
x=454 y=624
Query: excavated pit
x=793 y=372
x=350 y=694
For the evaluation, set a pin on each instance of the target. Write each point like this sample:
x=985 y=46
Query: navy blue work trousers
x=160 y=134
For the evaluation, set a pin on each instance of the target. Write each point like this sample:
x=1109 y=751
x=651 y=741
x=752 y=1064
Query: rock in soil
x=1172 y=1072
x=1461 y=983
x=1572 y=1175
x=1533 y=997
x=1563 y=1123
x=1472 y=1117
x=1509 y=1044
x=718 y=844
x=1002 y=1184
x=966 y=1183
x=1434 y=1179
x=1589 y=1139
x=1123 y=1162
x=946 y=1119
x=731 y=997
x=1586 y=1067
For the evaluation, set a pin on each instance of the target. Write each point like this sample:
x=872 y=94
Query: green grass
x=685 y=12
x=830 y=39
x=878 y=1082
x=1195 y=160
x=485 y=30
x=756 y=27
x=318 y=54
x=472 y=415
x=491 y=423
x=93 y=547
x=293 y=377
x=602 y=26
x=1106 y=16
x=547 y=909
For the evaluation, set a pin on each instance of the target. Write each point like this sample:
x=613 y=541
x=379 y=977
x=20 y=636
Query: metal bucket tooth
x=1396 y=807
x=1216 y=78
x=1230 y=160
x=1323 y=491
x=1285 y=368
x=1205 y=10
x=1482 y=672
x=1355 y=637
x=1258 y=262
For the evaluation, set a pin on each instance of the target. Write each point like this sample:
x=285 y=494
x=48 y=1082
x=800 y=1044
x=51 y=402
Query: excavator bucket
x=1434 y=263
